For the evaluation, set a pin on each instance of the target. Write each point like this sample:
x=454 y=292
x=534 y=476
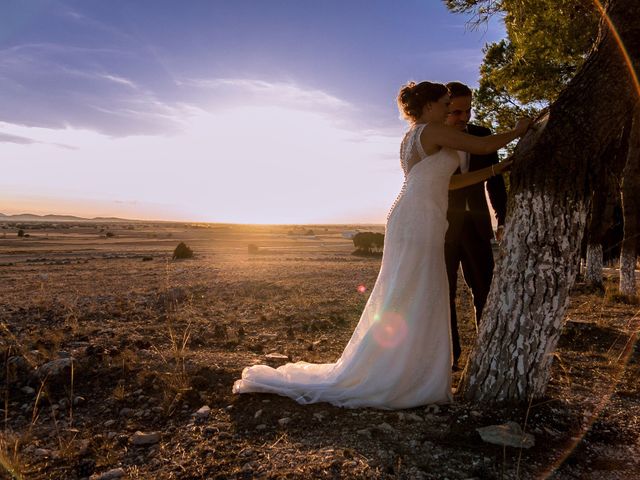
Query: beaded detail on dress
x=408 y=152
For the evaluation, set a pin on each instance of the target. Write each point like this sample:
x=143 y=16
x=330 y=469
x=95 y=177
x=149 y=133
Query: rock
x=18 y=366
x=284 y=421
x=42 y=452
x=109 y=423
x=110 y=475
x=28 y=390
x=432 y=409
x=64 y=403
x=55 y=369
x=509 y=434
x=126 y=412
x=83 y=447
x=111 y=435
x=385 y=427
x=140 y=438
x=276 y=360
x=78 y=401
x=365 y=432
x=203 y=412
x=262 y=426
x=257 y=414
x=319 y=416
x=413 y=417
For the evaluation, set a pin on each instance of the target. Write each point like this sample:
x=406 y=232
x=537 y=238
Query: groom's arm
x=495 y=185
x=497 y=194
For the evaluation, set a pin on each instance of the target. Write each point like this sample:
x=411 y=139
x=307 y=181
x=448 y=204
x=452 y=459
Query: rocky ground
x=117 y=362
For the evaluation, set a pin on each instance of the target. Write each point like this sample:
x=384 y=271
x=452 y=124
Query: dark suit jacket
x=474 y=194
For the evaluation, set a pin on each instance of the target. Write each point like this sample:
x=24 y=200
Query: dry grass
x=155 y=340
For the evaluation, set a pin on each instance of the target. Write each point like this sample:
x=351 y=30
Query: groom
x=468 y=239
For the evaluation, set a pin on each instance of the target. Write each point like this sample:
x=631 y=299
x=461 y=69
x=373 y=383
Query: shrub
x=182 y=251
x=368 y=243
x=110 y=234
x=21 y=233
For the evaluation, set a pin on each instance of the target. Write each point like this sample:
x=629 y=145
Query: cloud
x=119 y=80
x=20 y=140
x=7 y=138
x=55 y=86
x=245 y=164
x=278 y=92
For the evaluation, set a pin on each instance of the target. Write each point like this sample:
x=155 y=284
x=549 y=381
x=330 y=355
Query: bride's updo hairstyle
x=414 y=96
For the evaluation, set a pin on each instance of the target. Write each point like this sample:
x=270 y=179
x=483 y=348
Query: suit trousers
x=475 y=255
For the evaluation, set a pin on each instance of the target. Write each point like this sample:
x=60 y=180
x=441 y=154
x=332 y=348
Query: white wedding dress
x=399 y=355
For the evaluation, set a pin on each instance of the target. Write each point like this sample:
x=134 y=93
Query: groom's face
x=459 y=112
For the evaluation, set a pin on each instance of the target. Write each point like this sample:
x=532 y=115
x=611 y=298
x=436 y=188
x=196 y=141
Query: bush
x=21 y=233
x=110 y=234
x=368 y=243
x=182 y=251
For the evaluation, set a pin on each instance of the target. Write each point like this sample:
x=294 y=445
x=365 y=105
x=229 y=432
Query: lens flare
x=614 y=31
x=389 y=329
x=627 y=350
x=362 y=289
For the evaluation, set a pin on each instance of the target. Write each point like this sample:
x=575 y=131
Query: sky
x=243 y=111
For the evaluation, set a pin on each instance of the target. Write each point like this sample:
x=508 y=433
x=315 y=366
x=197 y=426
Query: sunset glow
x=106 y=114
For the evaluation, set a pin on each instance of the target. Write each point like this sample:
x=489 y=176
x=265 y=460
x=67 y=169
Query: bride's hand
x=523 y=125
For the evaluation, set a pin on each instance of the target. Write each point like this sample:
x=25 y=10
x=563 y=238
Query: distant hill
x=29 y=217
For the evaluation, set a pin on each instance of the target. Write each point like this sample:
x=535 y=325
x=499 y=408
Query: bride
x=399 y=355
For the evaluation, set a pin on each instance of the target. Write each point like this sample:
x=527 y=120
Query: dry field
x=102 y=337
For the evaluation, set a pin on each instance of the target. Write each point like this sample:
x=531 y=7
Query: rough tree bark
x=603 y=203
x=631 y=210
x=548 y=204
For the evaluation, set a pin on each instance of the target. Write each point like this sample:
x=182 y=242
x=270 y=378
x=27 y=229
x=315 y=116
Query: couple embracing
x=406 y=343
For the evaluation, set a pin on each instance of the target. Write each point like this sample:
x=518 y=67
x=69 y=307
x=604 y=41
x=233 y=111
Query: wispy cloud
x=119 y=80
x=7 y=138
x=280 y=92
x=85 y=88
x=20 y=140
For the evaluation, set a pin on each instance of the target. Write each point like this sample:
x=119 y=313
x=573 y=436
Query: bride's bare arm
x=436 y=135
x=462 y=180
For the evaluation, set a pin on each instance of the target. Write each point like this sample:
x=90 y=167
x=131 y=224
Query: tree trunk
x=594 y=264
x=603 y=203
x=551 y=187
x=631 y=211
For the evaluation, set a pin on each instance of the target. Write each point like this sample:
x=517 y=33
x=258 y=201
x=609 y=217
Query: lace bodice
x=411 y=151
x=431 y=183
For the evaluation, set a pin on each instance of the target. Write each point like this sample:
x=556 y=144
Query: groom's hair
x=457 y=89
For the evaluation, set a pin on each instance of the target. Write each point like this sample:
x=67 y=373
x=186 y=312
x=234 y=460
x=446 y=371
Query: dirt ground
x=105 y=336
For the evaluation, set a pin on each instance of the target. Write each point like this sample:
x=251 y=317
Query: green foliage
x=547 y=42
x=182 y=251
